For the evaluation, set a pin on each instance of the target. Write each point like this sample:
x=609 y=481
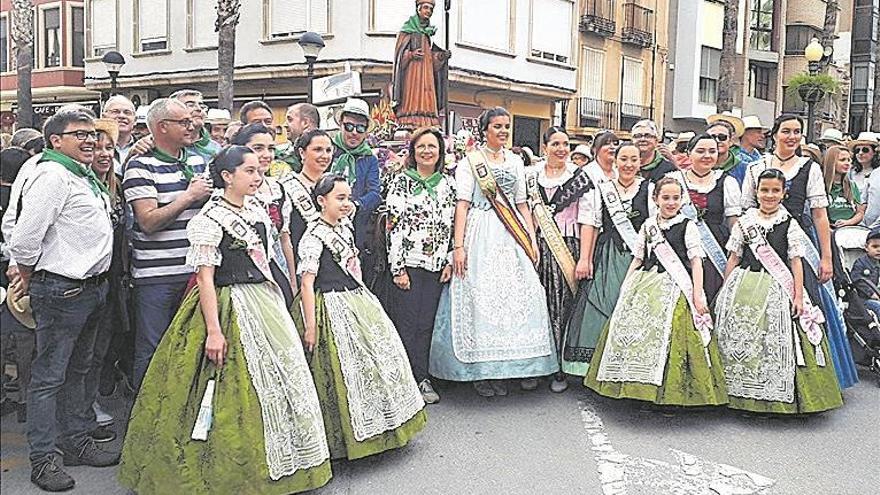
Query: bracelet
x=457 y=247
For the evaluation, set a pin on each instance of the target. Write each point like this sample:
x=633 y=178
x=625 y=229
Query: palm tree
x=228 y=12
x=727 y=69
x=829 y=30
x=875 y=112
x=23 y=36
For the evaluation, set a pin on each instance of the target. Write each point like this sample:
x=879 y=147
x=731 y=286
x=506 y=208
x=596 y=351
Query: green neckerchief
x=732 y=159
x=413 y=25
x=653 y=163
x=423 y=184
x=346 y=162
x=182 y=160
x=77 y=169
x=202 y=145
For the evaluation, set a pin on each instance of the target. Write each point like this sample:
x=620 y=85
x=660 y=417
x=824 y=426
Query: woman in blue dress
x=492 y=323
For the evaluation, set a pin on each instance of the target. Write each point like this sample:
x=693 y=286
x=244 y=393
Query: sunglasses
x=349 y=127
x=863 y=149
x=720 y=137
x=81 y=135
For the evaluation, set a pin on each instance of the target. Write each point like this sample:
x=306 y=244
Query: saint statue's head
x=425 y=9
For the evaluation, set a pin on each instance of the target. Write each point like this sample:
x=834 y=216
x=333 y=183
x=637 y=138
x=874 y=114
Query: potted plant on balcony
x=806 y=88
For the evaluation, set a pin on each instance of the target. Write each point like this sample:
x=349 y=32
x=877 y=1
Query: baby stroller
x=863 y=329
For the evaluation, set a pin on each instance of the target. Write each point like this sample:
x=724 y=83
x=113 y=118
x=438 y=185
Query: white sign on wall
x=336 y=87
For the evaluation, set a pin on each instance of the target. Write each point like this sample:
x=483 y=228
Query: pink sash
x=671 y=262
x=811 y=318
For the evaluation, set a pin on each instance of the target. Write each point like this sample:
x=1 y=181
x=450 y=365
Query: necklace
x=304 y=174
x=626 y=186
x=783 y=160
x=495 y=153
x=230 y=203
x=700 y=176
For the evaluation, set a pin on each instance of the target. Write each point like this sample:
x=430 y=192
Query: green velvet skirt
x=688 y=379
x=159 y=457
x=333 y=394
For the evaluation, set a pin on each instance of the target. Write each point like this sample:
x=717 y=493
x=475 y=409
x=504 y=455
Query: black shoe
x=90 y=455
x=102 y=434
x=49 y=477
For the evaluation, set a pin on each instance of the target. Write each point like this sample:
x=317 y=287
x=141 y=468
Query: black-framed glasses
x=863 y=149
x=350 y=127
x=195 y=105
x=644 y=136
x=720 y=137
x=81 y=135
x=185 y=123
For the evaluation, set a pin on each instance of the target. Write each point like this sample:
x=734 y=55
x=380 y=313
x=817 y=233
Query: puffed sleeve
x=590 y=208
x=204 y=237
x=816 y=195
x=692 y=241
x=747 y=198
x=797 y=240
x=732 y=197
x=309 y=254
x=736 y=241
x=464 y=181
x=641 y=241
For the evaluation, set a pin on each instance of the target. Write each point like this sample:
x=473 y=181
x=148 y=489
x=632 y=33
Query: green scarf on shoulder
x=346 y=162
x=413 y=25
x=423 y=184
x=182 y=160
x=78 y=169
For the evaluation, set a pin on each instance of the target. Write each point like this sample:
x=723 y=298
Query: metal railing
x=631 y=113
x=638 y=24
x=596 y=113
x=597 y=16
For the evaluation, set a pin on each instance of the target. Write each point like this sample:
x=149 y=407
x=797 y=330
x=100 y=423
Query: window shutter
x=204 y=16
x=486 y=23
x=152 y=17
x=389 y=15
x=632 y=81
x=551 y=27
x=594 y=73
x=103 y=23
x=288 y=17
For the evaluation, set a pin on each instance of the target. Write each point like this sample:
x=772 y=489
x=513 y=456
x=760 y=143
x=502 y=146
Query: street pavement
x=579 y=443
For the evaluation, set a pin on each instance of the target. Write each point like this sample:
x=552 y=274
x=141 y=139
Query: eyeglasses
x=81 y=135
x=644 y=136
x=720 y=137
x=863 y=149
x=120 y=111
x=349 y=127
x=185 y=123
x=194 y=105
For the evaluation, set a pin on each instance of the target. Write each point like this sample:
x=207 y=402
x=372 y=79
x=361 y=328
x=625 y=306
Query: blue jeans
x=67 y=314
x=154 y=308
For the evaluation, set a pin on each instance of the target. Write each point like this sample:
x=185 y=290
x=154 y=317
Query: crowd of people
x=273 y=307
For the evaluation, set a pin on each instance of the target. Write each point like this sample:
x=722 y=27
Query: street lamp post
x=113 y=61
x=812 y=93
x=311 y=44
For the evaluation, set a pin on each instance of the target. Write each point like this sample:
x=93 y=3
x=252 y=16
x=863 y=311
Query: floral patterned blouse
x=420 y=224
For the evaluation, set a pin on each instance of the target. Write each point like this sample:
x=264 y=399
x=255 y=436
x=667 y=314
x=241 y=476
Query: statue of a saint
x=420 y=67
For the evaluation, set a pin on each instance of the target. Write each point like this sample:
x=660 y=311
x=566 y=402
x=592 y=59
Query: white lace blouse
x=796 y=236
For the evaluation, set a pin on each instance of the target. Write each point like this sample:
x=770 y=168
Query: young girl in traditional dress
x=233 y=336
x=609 y=226
x=776 y=358
x=658 y=347
x=369 y=398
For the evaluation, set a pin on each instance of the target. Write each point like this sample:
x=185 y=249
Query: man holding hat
x=753 y=140
x=354 y=160
x=726 y=128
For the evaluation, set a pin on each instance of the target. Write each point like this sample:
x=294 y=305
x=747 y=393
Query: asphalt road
x=579 y=443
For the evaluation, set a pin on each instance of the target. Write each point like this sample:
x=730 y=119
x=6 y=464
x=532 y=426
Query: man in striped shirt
x=165 y=187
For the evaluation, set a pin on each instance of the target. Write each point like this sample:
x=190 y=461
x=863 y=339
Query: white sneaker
x=429 y=395
x=102 y=418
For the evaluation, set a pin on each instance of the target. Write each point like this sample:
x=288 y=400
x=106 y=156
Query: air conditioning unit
x=142 y=97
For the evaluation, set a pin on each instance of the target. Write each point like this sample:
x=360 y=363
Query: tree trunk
x=829 y=30
x=727 y=74
x=875 y=112
x=23 y=37
x=227 y=21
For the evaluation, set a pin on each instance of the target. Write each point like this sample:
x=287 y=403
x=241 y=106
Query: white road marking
x=623 y=474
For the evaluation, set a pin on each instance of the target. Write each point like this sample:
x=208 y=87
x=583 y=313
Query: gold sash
x=551 y=233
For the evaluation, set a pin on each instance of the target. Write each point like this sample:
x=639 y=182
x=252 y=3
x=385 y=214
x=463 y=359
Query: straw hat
x=737 y=123
x=141 y=114
x=108 y=127
x=684 y=137
x=582 y=149
x=354 y=106
x=753 y=122
x=812 y=151
x=20 y=307
x=832 y=135
x=218 y=116
x=868 y=138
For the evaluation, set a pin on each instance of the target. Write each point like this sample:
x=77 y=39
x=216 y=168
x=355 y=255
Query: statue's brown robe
x=418 y=86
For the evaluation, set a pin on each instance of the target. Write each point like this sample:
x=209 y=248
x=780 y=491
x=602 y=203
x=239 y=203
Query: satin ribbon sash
x=571 y=190
x=812 y=318
x=713 y=249
x=674 y=267
x=342 y=249
x=240 y=229
x=618 y=214
x=503 y=207
x=550 y=231
x=301 y=198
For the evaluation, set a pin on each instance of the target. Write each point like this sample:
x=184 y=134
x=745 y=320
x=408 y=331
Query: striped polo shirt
x=160 y=257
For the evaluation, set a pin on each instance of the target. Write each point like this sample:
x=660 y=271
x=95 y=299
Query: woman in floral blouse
x=421 y=204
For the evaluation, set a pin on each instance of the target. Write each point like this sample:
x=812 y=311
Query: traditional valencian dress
x=493 y=323
x=556 y=203
x=770 y=363
x=597 y=297
x=279 y=208
x=651 y=349
x=267 y=434
x=370 y=401
x=805 y=190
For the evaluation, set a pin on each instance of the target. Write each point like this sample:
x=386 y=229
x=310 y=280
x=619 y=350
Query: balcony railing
x=638 y=24
x=631 y=113
x=598 y=17
x=596 y=113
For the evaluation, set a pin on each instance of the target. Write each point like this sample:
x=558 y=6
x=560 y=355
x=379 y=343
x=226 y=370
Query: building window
x=101 y=26
x=551 y=30
x=487 y=24
x=797 y=37
x=4 y=44
x=593 y=70
x=52 y=37
x=151 y=25
x=710 y=70
x=77 y=37
x=862 y=74
x=387 y=16
x=759 y=81
x=201 y=17
x=761 y=25
x=289 y=18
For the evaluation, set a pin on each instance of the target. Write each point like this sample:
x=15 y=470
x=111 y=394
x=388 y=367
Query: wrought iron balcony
x=598 y=17
x=596 y=113
x=631 y=113
x=638 y=24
